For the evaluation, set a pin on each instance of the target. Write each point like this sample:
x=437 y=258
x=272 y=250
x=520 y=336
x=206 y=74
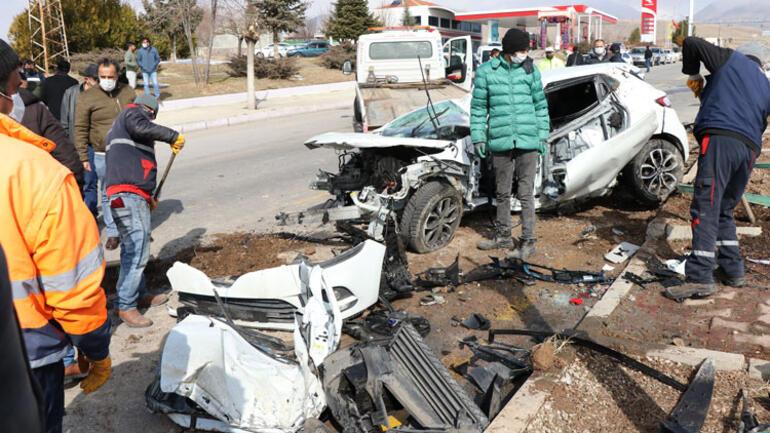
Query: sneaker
x=690 y=290
x=525 y=249
x=497 y=243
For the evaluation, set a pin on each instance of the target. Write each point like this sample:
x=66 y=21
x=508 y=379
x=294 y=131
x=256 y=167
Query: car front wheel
x=655 y=172
x=431 y=217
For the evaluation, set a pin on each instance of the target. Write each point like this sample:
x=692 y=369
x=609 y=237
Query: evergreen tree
x=635 y=36
x=278 y=16
x=350 y=19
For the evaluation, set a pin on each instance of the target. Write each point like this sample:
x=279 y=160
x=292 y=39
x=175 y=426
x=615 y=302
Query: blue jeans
x=132 y=219
x=100 y=167
x=146 y=78
x=69 y=357
x=90 y=196
x=648 y=64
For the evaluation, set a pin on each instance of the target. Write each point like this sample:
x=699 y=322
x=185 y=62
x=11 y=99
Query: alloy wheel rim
x=438 y=227
x=658 y=172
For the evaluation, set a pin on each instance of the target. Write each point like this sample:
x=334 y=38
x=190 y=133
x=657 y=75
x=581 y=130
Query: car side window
x=570 y=99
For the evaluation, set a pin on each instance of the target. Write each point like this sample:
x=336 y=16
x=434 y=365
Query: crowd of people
x=75 y=153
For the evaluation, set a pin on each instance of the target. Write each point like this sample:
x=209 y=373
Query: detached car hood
x=356 y=140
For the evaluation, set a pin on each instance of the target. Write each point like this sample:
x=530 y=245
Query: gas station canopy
x=531 y=17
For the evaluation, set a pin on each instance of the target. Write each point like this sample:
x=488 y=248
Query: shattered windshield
x=418 y=124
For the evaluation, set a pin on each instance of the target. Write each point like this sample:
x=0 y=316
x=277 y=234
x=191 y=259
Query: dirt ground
x=181 y=85
x=596 y=394
x=732 y=321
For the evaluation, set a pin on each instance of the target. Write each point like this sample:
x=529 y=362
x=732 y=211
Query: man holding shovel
x=130 y=181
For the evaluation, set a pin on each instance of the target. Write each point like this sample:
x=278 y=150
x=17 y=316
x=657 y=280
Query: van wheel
x=431 y=217
x=655 y=172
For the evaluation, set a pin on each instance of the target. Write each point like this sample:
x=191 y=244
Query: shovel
x=163 y=178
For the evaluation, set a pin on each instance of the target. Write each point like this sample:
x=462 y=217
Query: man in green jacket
x=129 y=62
x=509 y=121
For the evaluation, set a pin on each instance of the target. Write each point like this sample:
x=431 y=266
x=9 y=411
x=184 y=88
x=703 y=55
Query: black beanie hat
x=9 y=61
x=515 y=40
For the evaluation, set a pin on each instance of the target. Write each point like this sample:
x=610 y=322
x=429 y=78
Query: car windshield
x=637 y=51
x=418 y=124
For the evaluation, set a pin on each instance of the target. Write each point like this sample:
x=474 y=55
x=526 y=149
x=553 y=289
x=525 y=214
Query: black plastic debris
x=401 y=377
x=384 y=323
x=690 y=413
x=477 y=321
x=440 y=277
x=749 y=422
x=528 y=273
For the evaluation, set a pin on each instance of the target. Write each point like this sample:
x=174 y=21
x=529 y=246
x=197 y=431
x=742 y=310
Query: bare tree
x=234 y=20
x=214 y=5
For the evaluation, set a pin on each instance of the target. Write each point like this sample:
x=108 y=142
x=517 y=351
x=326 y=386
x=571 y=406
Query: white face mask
x=145 y=45
x=519 y=57
x=599 y=51
x=18 y=107
x=108 y=85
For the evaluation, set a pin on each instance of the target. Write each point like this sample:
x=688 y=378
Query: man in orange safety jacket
x=55 y=260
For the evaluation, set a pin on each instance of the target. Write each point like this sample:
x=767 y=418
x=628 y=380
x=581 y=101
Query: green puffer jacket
x=509 y=109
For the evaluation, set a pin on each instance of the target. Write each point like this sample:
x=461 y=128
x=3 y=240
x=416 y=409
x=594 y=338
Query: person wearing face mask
x=33 y=77
x=148 y=59
x=96 y=109
x=598 y=54
x=55 y=261
x=510 y=124
x=131 y=173
x=36 y=117
x=550 y=61
x=734 y=107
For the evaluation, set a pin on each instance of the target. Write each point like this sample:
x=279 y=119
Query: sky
x=677 y=8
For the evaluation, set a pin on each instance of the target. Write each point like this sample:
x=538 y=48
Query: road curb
x=257 y=115
x=261 y=95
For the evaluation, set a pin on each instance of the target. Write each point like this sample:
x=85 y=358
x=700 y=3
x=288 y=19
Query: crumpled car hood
x=357 y=140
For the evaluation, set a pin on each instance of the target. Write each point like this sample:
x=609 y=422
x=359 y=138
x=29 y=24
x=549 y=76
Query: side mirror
x=347 y=67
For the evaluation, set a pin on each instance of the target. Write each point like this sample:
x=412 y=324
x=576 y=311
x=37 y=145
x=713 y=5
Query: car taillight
x=663 y=101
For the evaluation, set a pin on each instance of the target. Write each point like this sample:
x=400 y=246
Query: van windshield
x=418 y=124
x=400 y=50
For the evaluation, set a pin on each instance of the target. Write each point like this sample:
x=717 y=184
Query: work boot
x=727 y=280
x=525 y=249
x=112 y=243
x=690 y=290
x=499 y=242
x=149 y=301
x=74 y=372
x=134 y=319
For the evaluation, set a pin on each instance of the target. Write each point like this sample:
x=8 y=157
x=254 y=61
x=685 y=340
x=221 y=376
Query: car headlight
x=345 y=298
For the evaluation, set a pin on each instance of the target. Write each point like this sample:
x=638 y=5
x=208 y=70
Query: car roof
x=581 y=71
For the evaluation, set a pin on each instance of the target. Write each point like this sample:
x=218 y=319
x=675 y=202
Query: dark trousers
x=51 y=380
x=724 y=167
x=522 y=164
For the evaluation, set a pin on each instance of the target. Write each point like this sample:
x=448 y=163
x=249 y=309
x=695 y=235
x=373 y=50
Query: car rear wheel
x=431 y=217
x=655 y=172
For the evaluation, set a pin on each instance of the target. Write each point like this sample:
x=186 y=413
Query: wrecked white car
x=606 y=125
x=270 y=298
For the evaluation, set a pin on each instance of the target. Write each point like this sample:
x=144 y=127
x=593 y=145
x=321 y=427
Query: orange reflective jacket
x=55 y=259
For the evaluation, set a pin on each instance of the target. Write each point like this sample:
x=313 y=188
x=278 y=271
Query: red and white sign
x=649 y=18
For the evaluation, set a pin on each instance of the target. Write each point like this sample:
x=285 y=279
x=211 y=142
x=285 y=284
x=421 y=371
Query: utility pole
x=691 y=18
x=48 y=33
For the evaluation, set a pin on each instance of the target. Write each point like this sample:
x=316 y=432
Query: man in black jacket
x=55 y=86
x=38 y=119
x=130 y=181
x=735 y=104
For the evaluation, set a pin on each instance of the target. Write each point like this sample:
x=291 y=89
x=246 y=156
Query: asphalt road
x=239 y=177
x=670 y=79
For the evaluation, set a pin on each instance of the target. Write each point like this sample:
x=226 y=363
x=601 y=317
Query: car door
x=458 y=56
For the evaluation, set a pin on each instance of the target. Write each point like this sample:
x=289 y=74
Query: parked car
x=607 y=125
x=677 y=54
x=269 y=51
x=668 y=56
x=657 y=56
x=311 y=49
x=637 y=56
